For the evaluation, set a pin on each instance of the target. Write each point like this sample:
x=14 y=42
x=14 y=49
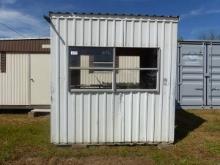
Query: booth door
x=40 y=79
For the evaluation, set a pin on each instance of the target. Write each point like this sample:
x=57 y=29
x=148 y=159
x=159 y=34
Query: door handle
x=32 y=80
x=199 y=88
x=215 y=89
x=207 y=75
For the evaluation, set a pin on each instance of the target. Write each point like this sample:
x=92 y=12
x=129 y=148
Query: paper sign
x=74 y=53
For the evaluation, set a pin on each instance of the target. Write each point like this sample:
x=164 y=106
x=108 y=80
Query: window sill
x=111 y=91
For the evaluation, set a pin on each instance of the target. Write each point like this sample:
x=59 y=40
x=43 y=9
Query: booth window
x=90 y=68
x=113 y=68
x=138 y=68
x=3 y=62
x=101 y=59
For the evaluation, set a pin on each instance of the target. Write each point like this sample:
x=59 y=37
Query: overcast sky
x=26 y=16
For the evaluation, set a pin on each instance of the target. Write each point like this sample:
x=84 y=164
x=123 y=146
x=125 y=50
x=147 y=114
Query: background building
x=24 y=73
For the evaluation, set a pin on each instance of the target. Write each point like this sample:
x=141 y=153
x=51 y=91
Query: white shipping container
x=113 y=116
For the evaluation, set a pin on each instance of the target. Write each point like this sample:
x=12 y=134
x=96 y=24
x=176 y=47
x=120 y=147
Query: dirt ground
x=112 y=160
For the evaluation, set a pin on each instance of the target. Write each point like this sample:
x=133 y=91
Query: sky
x=197 y=17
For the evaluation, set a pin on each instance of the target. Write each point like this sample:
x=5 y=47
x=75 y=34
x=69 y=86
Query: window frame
x=114 y=71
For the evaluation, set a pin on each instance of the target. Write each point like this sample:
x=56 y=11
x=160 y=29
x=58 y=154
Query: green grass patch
x=213 y=147
x=197 y=142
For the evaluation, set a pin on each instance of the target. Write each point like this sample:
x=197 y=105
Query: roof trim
x=28 y=38
x=111 y=14
x=199 y=41
x=24 y=45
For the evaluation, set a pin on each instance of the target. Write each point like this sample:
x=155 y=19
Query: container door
x=40 y=79
x=213 y=75
x=192 y=84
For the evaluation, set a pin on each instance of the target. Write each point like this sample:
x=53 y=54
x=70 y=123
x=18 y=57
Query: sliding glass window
x=104 y=68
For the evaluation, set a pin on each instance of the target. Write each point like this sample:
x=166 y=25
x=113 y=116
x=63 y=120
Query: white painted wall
x=14 y=84
x=40 y=79
x=16 y=89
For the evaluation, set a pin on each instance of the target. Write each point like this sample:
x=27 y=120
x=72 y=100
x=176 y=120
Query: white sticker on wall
x=74 y=53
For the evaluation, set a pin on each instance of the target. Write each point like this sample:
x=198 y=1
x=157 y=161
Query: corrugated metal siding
x=214 y=70
x=112 y=32
x=107 y=117
x=24 y=45
x=199 y=80
x=95 y=117
x=14 y=83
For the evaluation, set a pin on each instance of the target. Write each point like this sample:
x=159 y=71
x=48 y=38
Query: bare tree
x=209 y=36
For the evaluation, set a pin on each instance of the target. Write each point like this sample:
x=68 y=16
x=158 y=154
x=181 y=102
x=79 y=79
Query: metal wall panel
x=213 y=93
x=96 y=117
x=106 y=117
x=115 y=31
x=192 y=74
x=199 y=74
x=14 y=83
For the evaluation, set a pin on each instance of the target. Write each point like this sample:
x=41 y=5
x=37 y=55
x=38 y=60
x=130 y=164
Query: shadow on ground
x=186 y=122
x=14 y=111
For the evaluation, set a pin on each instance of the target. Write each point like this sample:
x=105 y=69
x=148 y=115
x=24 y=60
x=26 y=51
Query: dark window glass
x=3 y=62
x=149 y=59
x=136 y=79
x=90 y=57
x=74 y=78
x=147 y=56
x=148 y=79
x=136 y=58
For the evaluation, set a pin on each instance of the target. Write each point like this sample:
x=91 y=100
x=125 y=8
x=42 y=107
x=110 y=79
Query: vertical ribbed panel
x=106 y=117
x=97 y=117
x=63 y=79
x=14 y=84
x=113 y=32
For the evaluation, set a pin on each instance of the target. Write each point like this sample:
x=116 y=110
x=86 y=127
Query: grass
x=25 y=140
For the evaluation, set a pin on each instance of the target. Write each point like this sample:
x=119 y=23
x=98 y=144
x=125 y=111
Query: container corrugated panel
x=198 y=74
x=14 y=83
x=121 y=117
x=214 y=69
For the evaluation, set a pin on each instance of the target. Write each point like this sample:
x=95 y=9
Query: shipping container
x=113 y=78
x=198 y=84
